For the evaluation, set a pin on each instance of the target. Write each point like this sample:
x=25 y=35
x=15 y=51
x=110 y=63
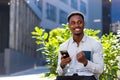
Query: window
x=83 y=7
x=40 y=5
x=65 y=1
x=74 y=4
x=51 y=12
x=63 y=17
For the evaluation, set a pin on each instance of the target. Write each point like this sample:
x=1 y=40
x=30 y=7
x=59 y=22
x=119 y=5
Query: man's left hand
x=81 y=58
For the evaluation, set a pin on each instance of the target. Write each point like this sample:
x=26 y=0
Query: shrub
x=111 y=52
x=51 y=41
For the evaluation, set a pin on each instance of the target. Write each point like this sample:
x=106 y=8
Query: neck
x=78 y=38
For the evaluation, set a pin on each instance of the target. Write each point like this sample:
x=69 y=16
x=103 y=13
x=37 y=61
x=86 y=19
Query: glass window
x=65 y=1
x=51 y=12
x=74 y=4
x=83 y=7
x=40 y=4
x=35 y=2
x=63 y=17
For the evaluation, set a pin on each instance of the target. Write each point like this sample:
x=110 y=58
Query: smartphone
x=87 y=54
x=65 y=52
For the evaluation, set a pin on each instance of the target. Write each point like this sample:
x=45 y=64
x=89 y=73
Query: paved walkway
x=30 y=74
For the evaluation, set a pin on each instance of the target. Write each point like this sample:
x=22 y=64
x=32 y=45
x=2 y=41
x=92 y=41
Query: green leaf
x=45 y=35
x=36 y=28
x=34 y=33
x=39 y=30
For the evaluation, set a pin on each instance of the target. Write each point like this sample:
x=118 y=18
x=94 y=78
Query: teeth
x=77 y=29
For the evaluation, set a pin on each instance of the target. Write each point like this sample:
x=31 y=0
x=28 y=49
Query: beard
x=78 y=34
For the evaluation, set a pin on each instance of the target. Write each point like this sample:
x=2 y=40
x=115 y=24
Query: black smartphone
x=65 y=52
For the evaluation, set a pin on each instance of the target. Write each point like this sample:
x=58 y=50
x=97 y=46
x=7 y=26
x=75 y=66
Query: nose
x=76 y=24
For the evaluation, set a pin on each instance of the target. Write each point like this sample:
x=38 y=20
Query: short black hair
x=75 y=13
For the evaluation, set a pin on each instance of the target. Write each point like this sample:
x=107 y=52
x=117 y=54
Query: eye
x=72 y=22
x=79 y=22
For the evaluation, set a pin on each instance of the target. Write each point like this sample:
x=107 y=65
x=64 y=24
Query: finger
x=67 y=60
x=63 y=56
x=79 y=55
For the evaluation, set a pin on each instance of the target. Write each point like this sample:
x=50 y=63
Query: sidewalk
x=30 y=74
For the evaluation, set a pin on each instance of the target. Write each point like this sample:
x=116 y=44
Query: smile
x=77 y=29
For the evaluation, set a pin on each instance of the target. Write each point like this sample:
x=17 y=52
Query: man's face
x=76 y=24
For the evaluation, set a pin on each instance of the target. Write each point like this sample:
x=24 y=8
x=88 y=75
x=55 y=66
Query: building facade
x=106 y=14
x=95 y=15
x=116 y=27
x=17 y=48
x=54 y=12
x=18 y=19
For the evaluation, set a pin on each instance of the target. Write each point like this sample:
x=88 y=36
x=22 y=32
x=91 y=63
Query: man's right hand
x=64 y=61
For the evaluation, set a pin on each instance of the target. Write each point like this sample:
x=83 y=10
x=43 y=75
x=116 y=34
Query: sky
x=115 y=12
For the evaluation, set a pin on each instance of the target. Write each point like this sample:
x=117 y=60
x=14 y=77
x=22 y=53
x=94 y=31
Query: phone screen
x=64 y=52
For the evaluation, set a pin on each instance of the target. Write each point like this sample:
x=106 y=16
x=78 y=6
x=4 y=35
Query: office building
x=18 y=19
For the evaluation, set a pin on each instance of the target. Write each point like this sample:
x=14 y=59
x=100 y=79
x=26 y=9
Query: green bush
x=50 y=44
x=111 y=52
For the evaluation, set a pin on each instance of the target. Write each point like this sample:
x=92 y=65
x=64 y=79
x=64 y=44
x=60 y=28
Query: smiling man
x=85 y=60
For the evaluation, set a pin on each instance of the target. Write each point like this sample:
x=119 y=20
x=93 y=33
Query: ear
x=68 y=25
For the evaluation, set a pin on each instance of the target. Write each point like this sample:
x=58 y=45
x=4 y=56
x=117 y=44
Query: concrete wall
x=2 y=70
x=15 y=61
x=20 y=53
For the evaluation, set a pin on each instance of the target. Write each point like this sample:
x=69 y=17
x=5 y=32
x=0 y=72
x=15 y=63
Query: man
x=79 y=47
